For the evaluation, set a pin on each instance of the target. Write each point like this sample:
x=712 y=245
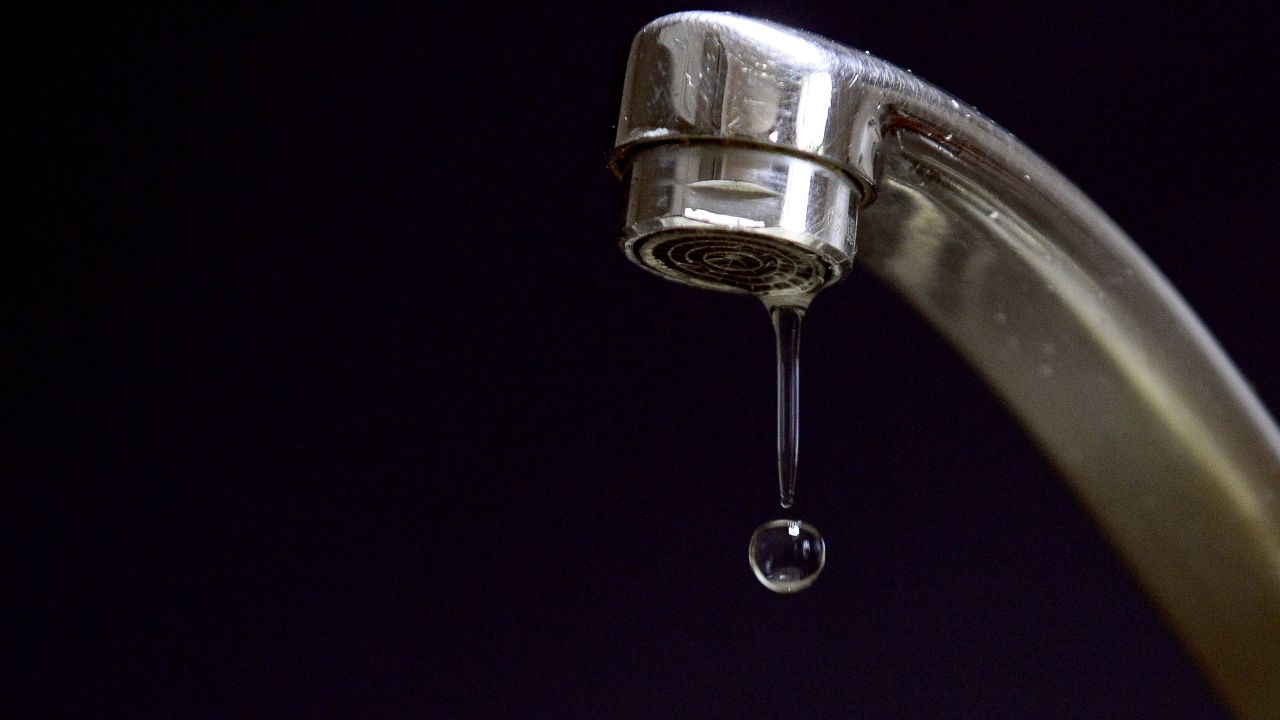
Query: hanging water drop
x=787 y=555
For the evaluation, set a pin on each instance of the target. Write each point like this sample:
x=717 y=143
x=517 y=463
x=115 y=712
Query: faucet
x=754 y=154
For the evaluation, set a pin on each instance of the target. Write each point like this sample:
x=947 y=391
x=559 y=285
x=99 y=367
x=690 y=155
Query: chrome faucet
x=754 y=153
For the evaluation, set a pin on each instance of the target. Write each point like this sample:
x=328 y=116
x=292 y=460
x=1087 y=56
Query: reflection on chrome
x=1091 y=348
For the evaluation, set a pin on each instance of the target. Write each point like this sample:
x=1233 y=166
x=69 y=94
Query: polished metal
x=740 y=219
x=1089 y=345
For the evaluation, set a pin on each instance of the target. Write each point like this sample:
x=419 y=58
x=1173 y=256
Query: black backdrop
x=334 y=398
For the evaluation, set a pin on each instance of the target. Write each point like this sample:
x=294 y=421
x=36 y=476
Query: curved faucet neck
x=1089 y=345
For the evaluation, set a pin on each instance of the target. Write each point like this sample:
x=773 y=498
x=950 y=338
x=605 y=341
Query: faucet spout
x=753 y=153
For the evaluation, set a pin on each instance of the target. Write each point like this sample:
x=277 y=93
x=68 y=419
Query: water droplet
x=955 y=105
x=994 y=215
x=1026 y=178
x=787 y=555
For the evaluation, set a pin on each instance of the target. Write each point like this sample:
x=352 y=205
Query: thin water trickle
x=787 y=555
x=787 y=320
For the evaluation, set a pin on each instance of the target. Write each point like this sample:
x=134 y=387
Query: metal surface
x=791 y=221
x=1090 y=347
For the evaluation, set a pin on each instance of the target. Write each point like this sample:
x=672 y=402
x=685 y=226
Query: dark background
x=333 y=396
